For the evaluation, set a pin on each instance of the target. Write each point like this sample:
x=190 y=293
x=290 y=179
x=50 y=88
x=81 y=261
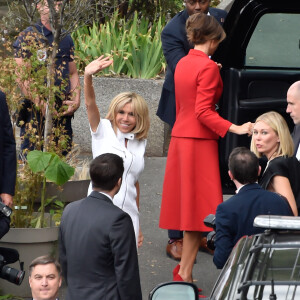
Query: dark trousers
x=175 y=234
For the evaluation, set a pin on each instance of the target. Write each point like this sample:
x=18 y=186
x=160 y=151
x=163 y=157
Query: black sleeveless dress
x=288 y=167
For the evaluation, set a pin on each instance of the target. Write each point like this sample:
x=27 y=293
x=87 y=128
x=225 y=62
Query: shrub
x=134 y=45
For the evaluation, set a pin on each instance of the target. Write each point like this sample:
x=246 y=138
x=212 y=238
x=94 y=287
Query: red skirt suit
x=192 y=186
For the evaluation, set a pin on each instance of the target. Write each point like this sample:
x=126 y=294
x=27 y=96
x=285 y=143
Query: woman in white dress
x=123 y=132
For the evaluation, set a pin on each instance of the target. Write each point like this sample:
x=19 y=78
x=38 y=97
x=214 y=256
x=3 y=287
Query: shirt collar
x=42 y=29
x=108 y=196
x=298 y=152
x=121 y=136
x=237 y=191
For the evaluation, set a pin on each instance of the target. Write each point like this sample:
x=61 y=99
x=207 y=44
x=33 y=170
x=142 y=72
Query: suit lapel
x=296 y=137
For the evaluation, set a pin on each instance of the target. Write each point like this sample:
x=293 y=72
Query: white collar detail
x=121 y=136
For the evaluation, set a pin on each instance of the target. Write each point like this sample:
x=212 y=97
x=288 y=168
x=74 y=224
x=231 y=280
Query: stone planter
x=31 y=243
x=71 y=190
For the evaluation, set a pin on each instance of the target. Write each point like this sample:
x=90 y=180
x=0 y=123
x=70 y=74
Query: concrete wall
x=105 y=90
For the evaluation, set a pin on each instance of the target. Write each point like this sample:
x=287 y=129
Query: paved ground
x=155 y=266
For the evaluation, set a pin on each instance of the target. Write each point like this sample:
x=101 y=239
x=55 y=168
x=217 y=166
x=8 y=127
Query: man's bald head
x=293 y=102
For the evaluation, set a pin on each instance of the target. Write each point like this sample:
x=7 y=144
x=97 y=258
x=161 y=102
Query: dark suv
x=263 y=266
x=261 y=59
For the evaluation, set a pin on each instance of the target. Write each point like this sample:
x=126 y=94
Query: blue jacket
x=234 y=217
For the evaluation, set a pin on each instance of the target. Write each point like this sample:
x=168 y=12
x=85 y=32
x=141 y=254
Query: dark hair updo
x=201 y=28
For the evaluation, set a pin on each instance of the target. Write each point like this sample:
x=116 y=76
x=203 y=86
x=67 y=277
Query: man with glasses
x=175 y=46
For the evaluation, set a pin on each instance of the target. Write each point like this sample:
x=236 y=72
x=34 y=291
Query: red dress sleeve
x=209 y=90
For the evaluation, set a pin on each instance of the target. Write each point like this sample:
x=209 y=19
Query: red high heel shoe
x=175 y=271
x=177 y=277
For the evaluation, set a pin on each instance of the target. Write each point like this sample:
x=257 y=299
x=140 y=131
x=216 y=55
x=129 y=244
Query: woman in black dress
x=271 y=138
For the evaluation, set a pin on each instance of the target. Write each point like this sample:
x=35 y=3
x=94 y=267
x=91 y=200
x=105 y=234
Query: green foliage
x=53 y=169
x=134 y=46
x=50 y=165
x=12 y=297
x=56 y=211
x=45 y=165
x=126 y=8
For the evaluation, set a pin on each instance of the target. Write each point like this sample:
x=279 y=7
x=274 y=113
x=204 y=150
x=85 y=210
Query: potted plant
x=38 y=168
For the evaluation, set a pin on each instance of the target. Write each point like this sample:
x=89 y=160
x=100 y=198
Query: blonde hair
x=279 y=125
x=139 y=109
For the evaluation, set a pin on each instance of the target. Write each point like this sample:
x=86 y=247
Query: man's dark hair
x=105 y=171
x=244 y=165
x=45 y=260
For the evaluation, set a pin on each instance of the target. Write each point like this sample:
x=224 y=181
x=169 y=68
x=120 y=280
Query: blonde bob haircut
x=140 y=111
x=279 y=125
x=201 y=28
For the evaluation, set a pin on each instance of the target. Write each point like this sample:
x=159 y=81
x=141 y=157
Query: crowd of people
x=100 y=234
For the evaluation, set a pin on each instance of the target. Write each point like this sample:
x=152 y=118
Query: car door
x=261 y=59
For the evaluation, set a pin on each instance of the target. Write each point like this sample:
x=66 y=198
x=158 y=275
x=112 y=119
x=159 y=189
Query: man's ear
x=119 y=182
x=30 y=280
x=230 y=174
x=259 y=170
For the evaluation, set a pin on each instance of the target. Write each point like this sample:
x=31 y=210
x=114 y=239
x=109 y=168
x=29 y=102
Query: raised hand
x=97 y=65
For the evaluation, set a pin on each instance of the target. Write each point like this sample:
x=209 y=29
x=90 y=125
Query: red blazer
x=198 y=87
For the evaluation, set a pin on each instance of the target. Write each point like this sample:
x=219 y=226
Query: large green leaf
x=38 y=161
x=58 y=171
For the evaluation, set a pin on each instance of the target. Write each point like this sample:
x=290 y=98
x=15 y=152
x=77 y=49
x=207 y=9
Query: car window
x=273 y=43
x=280 y=265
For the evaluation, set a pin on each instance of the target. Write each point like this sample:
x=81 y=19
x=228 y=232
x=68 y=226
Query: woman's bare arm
x=89 y=94
x=282 y=186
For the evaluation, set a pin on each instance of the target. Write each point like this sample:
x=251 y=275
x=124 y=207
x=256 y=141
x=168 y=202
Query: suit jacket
x=7 y=150
x=234 y=217
x=198 y=87
x=97 y=251
x=175 y=46
x=296 y=137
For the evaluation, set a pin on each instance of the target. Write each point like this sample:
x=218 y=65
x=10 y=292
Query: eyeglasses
x=201 y=2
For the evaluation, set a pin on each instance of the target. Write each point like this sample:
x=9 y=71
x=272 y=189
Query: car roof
x=272 y=266
x=262 y=265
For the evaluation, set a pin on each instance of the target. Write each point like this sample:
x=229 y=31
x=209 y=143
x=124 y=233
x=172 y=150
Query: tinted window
x=280 y=265
x=275 y=42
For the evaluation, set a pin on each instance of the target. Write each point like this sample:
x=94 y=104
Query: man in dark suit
x=234 y=217
x=293 y=108
x=175 y=46
x=7 y=155
x=7 y=162
x=97 y=242
x=44 y=278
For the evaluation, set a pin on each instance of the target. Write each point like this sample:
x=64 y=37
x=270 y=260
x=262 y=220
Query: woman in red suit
x=192 y=186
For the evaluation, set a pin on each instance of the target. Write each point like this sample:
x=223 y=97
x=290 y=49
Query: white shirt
x=298 y=153
x=104 y=140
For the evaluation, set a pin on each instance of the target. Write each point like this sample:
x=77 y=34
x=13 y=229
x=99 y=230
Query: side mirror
x=175 y=291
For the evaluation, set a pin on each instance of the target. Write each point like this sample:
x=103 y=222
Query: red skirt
x=192 y=186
